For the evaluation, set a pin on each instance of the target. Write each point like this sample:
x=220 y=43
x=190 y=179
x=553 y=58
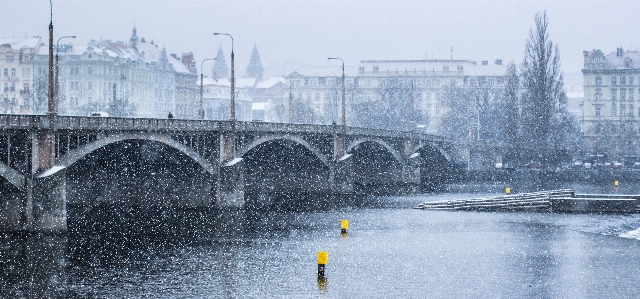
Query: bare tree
x=510 y=113
x=542 y=83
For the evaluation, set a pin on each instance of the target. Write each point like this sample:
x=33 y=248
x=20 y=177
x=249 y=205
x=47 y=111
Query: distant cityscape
x=139 y=78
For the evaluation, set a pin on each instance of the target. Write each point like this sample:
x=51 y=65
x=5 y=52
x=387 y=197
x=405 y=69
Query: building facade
x=124 y=79
x=610 y=116
x=382 y=87
x=17 y=77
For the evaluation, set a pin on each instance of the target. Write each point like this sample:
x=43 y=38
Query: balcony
x=25 y=93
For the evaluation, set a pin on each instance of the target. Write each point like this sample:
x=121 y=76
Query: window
x=317 y=97
x=630 y=95
x=623 y=80
x=428 y=82
x=6 y=72
x=25 y=58
x=631 y=80
x=368 y=82
x=90 y=85
x=597 y=107
x=437 y=108
x=6 y=87
x=623 y=109
x=26 y=72
x=614 y=109
x=13 y=87
x=630 y=109
x=26 y=87
x=598 y=81
x=437 y=82
x=614 y=94
x=613 y=81
x=312 y=82
x=10 y=58
x=598 y=94
x=89 y=70
x=77 y=71
x=623 y=95
x=13 y=72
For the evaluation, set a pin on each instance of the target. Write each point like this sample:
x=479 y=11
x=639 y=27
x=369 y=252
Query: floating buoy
x=344 y=225
x=323 y=260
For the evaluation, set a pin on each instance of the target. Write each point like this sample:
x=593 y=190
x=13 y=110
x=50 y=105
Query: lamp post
x=50 y=98
x=57 y=71
x=201 y=111
x=344 y=122
x=233 y=79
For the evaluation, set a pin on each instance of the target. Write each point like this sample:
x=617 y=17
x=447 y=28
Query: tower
x=255 y=69
x=220 y=68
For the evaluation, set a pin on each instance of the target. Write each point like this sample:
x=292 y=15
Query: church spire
x=220 y=68
x=255 y=69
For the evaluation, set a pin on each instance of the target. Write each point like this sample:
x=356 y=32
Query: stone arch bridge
x=34 y=156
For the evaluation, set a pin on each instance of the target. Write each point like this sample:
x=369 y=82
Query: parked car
x=99 y=114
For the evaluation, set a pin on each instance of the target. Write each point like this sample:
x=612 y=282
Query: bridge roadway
x=33 y=193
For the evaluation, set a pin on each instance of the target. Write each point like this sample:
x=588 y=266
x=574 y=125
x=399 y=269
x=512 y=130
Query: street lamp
x=233 y=79
x=50 y=98
x=344 y=122
x=57 y=71
x=201 y=112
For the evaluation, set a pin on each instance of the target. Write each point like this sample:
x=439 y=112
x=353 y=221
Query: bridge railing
x=20 y=121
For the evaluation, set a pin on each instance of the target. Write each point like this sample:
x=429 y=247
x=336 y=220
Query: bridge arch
x=76 y=154
x=295 y=139
x=396 y=155
x=439 y=149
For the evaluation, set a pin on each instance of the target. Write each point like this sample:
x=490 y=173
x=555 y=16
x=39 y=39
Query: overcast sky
x=290 y=33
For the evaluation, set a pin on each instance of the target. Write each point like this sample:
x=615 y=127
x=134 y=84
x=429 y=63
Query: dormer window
x=628 y=62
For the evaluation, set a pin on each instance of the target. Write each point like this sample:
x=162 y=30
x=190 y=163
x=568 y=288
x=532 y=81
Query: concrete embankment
x=563 y=200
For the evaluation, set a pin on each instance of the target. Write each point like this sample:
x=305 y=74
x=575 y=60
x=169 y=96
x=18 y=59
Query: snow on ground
x=634 y=234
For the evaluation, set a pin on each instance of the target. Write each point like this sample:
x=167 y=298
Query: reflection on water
x=391 y=251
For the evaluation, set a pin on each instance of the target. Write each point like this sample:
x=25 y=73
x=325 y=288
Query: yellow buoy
x=344 y=225
x=323 y=260
x=615 y=183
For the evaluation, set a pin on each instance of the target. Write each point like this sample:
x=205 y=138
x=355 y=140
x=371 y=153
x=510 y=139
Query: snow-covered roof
x=245 y=82
x=469 y=68
x=383 y=67
x=619 y=61
x=240 y=82
x=326 y=70
x=270 y=82
x=178 y=66
x=20 y=43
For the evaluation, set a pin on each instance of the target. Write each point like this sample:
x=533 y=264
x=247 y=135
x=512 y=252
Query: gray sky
x=290 y=33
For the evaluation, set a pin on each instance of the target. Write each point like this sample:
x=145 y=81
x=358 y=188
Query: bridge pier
x=229 y=191
x=47 y=196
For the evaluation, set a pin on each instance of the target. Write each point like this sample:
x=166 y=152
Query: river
x=391 y=251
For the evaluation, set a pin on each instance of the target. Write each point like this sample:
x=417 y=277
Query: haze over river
x=391 y=251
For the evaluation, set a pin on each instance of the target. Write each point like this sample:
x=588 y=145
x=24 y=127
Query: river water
x=391 y=251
